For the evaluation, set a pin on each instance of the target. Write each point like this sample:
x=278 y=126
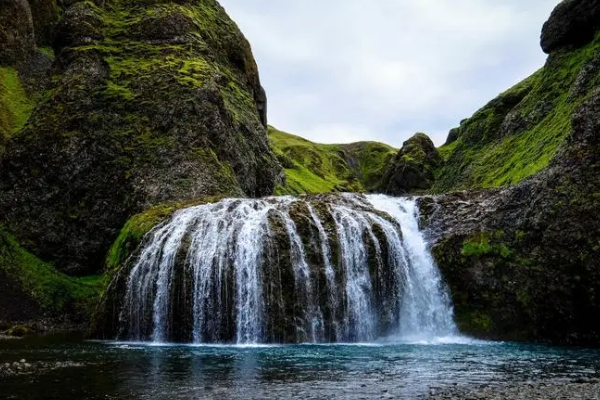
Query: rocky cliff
x=148 y=103
x=522 y=261
x=108 y=109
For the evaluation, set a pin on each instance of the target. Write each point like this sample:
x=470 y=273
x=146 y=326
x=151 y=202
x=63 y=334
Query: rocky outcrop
x=414 y=167
x=150 y=103
x=522 y=261
x=35 y=295
x=572 y=23
x=284 y=263
x=23 y=67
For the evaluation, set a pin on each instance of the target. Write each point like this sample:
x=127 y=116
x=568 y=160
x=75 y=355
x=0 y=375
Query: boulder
x=413 y=168
x=572 y=23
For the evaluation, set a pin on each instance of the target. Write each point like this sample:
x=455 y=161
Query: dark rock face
x=572 y=23
x=15 y=304
x=414 y=166
x=45 y=15
x=135 y=117
x=522 y=263
x=16 y=31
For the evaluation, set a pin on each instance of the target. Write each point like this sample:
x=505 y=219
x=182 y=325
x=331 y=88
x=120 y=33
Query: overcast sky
x=345 y=70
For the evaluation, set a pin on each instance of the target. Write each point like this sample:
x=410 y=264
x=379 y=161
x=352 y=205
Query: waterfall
x=426 y=311
x=349 y=268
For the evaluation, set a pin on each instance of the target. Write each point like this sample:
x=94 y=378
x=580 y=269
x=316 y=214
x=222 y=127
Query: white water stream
x=216 y=273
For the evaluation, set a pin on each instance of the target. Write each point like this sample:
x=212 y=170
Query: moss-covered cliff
x=34 y=294
x=312 y=168
x=149 y=102
x=522 y=261
x=518 y=133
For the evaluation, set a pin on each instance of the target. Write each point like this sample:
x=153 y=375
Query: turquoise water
x=109 y=370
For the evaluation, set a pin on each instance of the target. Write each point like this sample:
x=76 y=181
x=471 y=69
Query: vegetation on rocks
x=522 y=262
x=312 y=168
x=15 y=105
x=518 y=133
x=149 y=103
x=32 y=289
x=413 y=168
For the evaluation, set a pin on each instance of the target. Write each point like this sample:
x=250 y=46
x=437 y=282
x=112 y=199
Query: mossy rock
x=414 y=167
x=31 y=290
x=135 y=117
x=19 y=331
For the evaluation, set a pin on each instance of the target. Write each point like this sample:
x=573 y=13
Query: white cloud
x=346 y=70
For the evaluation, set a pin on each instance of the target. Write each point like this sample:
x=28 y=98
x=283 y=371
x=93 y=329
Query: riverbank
x=578 y=389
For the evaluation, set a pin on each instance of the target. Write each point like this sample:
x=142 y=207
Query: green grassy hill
x=322 y=168
x=518 y=133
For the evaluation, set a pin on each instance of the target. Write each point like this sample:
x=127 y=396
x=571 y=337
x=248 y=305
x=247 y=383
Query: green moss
x=48 y=51
x=139 y=225
x=486 y=244
x=56 y=293
x=133 y=232
x=476 y=322
x=15 y=106
x=18 y=331
x=518 y=133
x=323 y=168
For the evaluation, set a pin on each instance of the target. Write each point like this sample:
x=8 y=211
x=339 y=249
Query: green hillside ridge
x=312 y=168
x=516 y=135
x=510 y=139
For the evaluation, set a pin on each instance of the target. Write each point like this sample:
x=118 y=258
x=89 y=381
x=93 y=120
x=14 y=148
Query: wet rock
x=23 y=367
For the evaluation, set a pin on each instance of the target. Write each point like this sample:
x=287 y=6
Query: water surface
x=110 y=370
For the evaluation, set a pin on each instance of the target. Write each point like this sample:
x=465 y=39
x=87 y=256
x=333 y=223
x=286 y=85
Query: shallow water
x=109 y=370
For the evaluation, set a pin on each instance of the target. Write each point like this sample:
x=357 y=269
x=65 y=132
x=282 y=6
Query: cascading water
x=347 y=268
x=426 y=311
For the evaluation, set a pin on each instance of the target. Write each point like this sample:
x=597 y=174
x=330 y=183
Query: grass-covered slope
x=518 y=133
x=312 y=168
x=31 y=289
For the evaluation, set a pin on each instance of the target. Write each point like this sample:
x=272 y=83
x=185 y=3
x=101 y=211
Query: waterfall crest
x=348 y=268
